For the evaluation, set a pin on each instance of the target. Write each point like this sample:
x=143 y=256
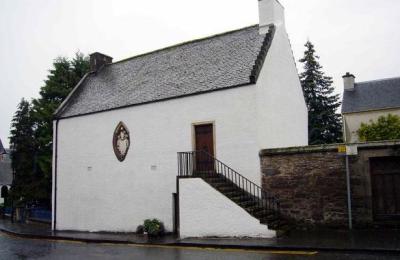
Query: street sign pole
x=348 y=150
x=348 y=193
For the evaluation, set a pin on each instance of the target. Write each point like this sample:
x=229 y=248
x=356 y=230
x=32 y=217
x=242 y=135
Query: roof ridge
x=375 y=80
x=183 y=43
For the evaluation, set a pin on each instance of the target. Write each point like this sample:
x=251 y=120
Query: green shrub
x=154 y=227
x=385 y=128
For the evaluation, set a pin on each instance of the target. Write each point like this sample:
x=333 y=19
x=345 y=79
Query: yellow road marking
x=286 y=252
x=280 y=252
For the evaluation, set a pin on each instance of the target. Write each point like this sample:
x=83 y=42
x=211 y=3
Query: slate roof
x=372 y=95
x=5 y=173
x=5 y=167
x=2 y=150
x=218 y=62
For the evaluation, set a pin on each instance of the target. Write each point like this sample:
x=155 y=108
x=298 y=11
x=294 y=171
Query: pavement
x=358 y=241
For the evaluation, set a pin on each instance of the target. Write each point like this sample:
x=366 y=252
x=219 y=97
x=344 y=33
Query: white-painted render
x=53 y=176
x=282 y=116
x=96 y=192
x=93 y=191
x=205 y=212
x=352 y=121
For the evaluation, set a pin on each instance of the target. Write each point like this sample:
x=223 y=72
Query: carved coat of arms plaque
x=121 y=141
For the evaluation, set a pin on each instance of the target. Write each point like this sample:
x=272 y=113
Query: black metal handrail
x=202 y=164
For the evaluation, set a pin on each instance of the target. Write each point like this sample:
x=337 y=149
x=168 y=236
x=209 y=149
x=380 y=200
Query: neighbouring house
x=130 y=127
x=365 y=101
x=310 y=181
x=5 y=172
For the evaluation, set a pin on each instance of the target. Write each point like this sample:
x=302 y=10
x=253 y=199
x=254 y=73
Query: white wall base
x=205 y=212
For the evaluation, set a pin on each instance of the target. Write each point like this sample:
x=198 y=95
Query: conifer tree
x=62 y=79
x=324 y=124
x=23 y=145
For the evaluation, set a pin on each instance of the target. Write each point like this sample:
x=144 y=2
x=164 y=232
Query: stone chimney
x=348 y=81
x=270 y=12
x=98 y=60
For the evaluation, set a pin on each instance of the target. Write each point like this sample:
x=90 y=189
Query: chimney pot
x=98 y=60
x=348 y=81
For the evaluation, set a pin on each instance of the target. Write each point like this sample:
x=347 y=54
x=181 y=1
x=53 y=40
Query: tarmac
x=373 y=241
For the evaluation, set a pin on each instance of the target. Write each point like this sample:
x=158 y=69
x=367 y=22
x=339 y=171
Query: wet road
x=18 y=248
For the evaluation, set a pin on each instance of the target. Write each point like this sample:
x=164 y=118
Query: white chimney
x=348 y=81
x=270 y=12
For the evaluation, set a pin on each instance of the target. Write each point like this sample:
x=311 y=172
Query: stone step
x=209 y=176
x=260 y=214
x=255 y=210
x=217 y=178
x=221 y=184
x=234 y=194
x=268 y=218
x=276 y=224
x=239 y=197
x=213 y=179
x=247 y=203
x=228 y=189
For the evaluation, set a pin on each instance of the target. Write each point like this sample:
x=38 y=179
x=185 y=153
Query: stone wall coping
x=327 y=148
x=378 y=144
x=300 y=149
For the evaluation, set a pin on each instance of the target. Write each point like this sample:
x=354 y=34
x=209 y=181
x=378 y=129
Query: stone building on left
x=5 y=171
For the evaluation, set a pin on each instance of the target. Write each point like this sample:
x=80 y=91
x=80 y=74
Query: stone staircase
x=234 y=186
x=245 y=200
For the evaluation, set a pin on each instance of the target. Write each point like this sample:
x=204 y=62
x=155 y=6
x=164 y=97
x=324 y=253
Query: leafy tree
x=59 y=83
x=386 y=128
x=23 y=145
x=324 y=124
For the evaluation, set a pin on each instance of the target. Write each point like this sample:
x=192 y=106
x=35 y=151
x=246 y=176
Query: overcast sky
x=360 y=36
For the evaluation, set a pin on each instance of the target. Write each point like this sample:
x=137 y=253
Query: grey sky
x=360 y=36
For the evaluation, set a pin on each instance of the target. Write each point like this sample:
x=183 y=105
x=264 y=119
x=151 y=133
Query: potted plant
x=151 y=227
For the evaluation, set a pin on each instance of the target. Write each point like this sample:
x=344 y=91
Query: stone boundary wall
x=310 y=182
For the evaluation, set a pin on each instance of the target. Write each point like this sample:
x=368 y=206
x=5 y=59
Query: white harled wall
x=205 y=212
x=96 y=192
x=281 y=110
x=353 y=121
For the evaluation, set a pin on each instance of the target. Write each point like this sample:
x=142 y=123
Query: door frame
x=194 y=134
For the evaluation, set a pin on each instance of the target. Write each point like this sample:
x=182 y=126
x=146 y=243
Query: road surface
x=20 y=248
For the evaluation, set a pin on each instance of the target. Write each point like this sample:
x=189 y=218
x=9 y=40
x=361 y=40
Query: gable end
x=262 y=55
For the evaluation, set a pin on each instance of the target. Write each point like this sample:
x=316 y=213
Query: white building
x=364 y=102
x=117 y=135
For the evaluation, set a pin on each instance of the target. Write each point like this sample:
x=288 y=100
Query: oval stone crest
x=121 y=141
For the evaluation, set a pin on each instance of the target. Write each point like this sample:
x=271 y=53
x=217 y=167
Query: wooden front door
x=385 y=181
x=204 y=146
